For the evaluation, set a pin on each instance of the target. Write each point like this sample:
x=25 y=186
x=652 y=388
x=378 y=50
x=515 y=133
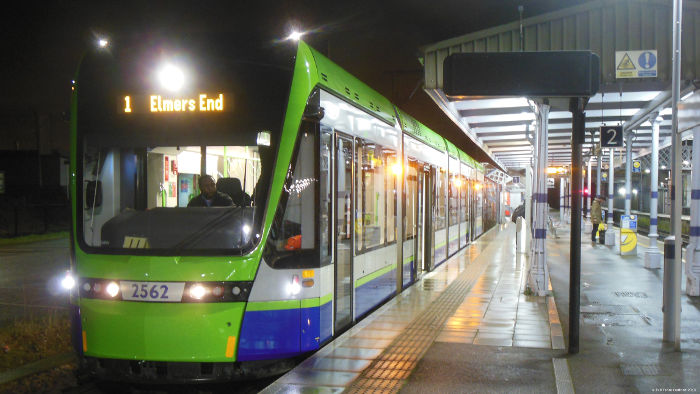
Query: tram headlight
x=198 y=292
x=68 y=282
x=112 y=289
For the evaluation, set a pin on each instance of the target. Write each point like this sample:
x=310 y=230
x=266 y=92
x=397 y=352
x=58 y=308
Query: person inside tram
x=209 y=196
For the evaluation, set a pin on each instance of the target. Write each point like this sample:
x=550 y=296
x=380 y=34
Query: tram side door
x=420 y=221
x=429 y=216
x=344 y=226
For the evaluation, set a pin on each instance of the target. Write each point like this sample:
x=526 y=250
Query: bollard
x=668 y=299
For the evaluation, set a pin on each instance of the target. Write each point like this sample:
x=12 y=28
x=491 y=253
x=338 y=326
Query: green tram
x=338 y=201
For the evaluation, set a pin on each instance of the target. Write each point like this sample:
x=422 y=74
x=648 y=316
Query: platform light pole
x=628 y=173
x=652 y=256
x=537 y=276
x=588 y=196
x=561 y=199
x=599 y=168
x=672 y=310
x=609 y=233
x=576 y=106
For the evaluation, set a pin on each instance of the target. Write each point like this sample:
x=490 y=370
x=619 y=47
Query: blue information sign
x=647 y=60
x=629 y=222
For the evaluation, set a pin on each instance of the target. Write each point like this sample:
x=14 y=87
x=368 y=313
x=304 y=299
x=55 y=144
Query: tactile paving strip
x=388 y=371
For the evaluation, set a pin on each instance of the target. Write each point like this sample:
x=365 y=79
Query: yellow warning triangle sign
x=626 y=63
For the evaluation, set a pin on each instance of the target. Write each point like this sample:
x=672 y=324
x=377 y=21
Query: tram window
x=454 y=198
x=441 y=185
x=292 y=239
x=371 y=196
x=411 y=198
x=463 y=199
x=325 y=195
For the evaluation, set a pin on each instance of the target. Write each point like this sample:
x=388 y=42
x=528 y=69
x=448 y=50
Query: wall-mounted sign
x=516 y=180
x=636 y=64
x=611 y=136
x=550 y=183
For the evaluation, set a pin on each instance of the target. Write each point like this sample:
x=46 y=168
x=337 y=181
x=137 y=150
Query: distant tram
x=340 y=200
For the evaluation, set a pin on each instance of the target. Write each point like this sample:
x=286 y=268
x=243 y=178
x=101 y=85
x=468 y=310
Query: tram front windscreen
x=151 y=128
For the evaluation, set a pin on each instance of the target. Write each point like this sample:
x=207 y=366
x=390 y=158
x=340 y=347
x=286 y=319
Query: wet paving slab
x=484 y=284
x=621 y=335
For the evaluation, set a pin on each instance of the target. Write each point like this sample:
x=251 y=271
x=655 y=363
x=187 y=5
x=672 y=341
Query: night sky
x=377 y=41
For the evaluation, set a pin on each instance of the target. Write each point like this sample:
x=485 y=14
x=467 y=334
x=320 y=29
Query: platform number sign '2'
x=610 y=136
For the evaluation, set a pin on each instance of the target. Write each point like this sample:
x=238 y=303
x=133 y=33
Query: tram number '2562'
x=152 y=291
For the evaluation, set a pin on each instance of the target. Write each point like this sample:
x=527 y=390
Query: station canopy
x=612 y=30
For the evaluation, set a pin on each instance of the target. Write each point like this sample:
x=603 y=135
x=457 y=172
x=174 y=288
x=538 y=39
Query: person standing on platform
x=596 y=215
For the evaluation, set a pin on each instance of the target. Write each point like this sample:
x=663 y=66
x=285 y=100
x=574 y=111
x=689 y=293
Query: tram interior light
x=264 y=138
x=556 y=170
x=397 y=169
x=171 y=77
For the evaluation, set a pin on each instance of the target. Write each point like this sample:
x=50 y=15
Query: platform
x=468 y=327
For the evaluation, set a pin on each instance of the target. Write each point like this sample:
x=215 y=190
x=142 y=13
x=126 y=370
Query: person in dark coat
x=210 y=197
